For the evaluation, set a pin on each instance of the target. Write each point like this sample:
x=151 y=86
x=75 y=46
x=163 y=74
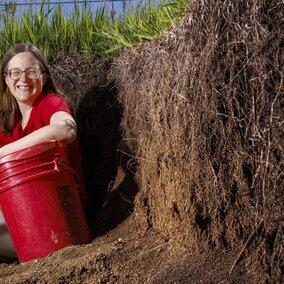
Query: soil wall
x=203 y=115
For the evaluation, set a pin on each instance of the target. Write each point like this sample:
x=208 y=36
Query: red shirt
x=43 y=109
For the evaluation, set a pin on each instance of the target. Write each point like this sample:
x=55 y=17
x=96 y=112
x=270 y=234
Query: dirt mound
x=126 y=255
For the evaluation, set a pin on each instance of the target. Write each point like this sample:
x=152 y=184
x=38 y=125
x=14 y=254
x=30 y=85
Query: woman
x=31 y=112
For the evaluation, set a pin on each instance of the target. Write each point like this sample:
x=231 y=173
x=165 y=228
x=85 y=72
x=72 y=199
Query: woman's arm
x=62 y=128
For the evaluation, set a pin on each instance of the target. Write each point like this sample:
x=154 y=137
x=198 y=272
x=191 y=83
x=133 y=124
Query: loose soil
x=129 y=255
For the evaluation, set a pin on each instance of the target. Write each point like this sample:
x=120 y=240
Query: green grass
x=84 y=32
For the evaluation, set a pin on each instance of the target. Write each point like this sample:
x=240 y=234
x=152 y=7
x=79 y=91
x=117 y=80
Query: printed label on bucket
x=71 y=211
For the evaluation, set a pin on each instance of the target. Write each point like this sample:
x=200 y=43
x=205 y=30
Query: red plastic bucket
x=40 y=201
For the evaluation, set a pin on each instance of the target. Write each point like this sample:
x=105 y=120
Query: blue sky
x=68 y=5
x=116 y=5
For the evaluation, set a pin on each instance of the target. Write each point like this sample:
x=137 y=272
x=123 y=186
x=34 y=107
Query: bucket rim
x=31 y=151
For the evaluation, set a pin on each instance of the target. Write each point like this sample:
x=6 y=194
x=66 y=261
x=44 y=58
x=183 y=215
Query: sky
x=68 y=5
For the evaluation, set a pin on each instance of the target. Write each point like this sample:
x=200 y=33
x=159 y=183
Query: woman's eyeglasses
x=31 y=73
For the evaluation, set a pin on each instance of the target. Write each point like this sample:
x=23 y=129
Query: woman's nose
x=23 y=74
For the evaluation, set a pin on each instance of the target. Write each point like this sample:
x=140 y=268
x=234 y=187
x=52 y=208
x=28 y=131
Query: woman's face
x=25 y=86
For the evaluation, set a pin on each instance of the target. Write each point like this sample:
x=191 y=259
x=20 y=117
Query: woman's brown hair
x=9 y=110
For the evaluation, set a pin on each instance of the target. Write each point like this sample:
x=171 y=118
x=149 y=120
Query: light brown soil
x=127 y=255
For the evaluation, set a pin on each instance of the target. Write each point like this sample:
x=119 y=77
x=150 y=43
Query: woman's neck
x=26 y=112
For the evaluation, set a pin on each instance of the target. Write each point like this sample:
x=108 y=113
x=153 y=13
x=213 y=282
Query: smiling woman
x=31 y=109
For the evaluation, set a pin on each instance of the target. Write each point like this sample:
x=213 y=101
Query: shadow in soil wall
x=108 y=178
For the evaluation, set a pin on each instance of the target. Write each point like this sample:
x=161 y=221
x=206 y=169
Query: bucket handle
x=53 y=163
x=23 y=162
x=56 y=169
x=42 y=174
x=78 y=181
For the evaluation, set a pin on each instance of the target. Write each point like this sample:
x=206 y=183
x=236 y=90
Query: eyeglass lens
x=32 y=73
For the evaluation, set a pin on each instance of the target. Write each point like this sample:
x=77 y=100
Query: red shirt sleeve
x=42 y=111
x=52 y=104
